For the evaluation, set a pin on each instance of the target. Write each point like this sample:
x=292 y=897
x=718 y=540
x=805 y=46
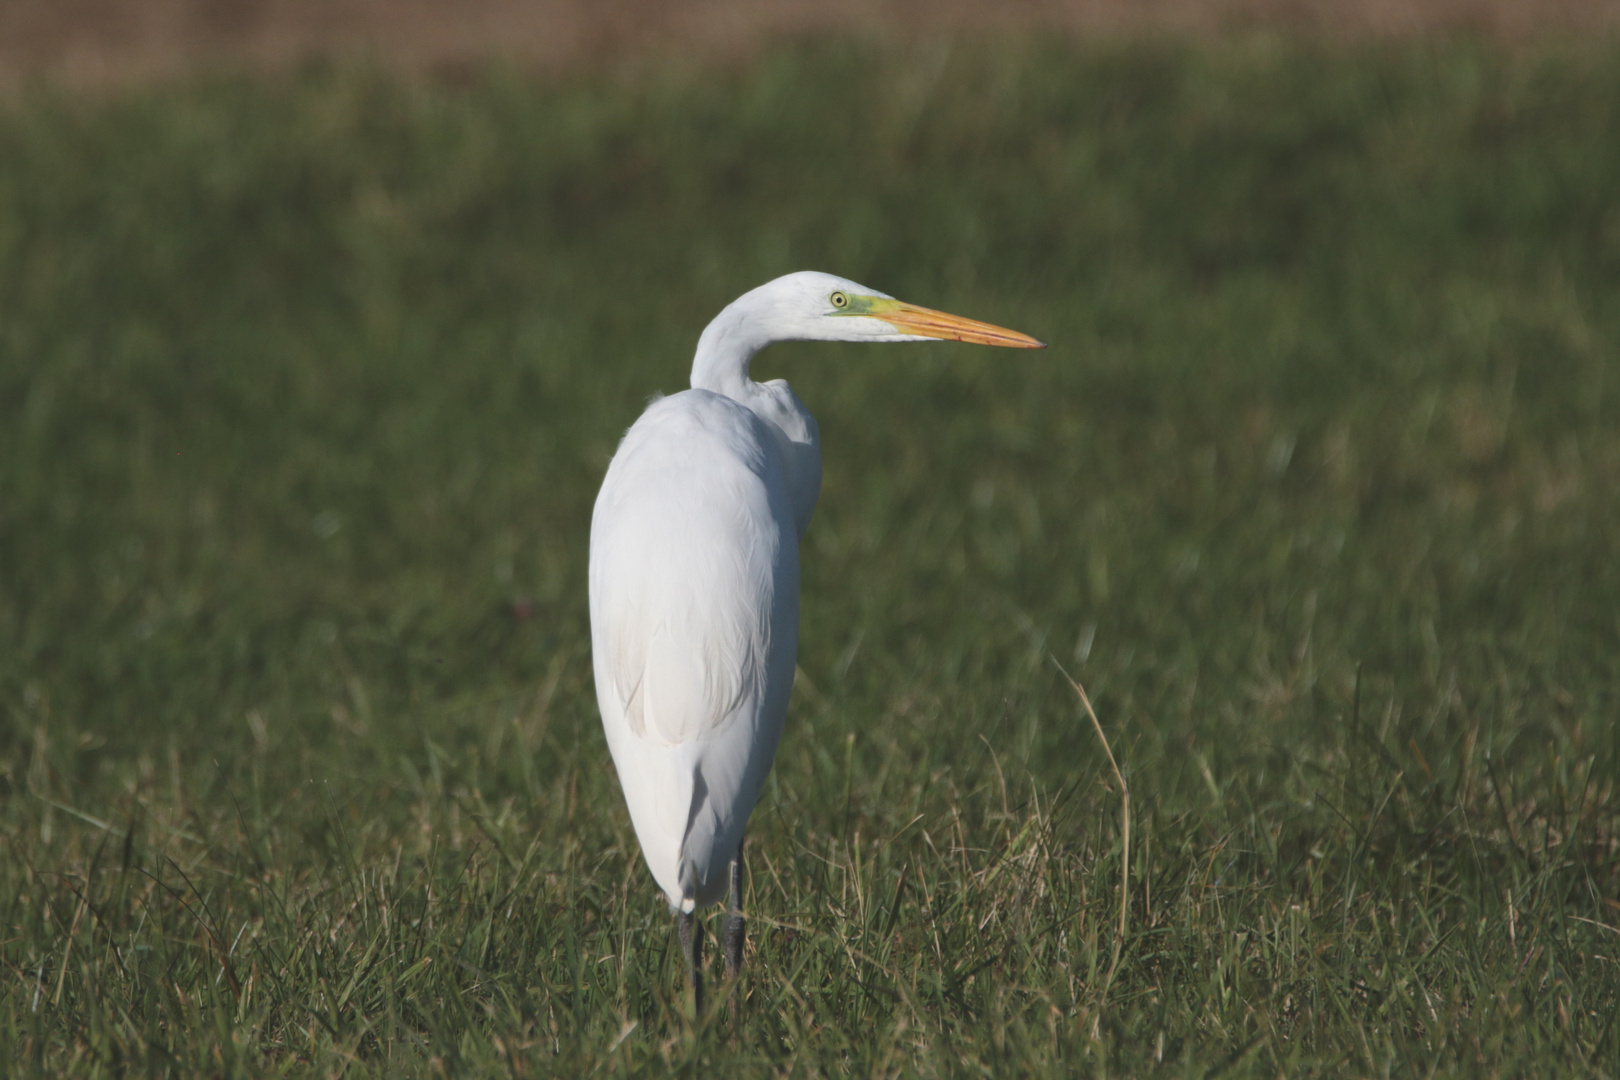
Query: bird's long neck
x=727 y=346
x=724 y=351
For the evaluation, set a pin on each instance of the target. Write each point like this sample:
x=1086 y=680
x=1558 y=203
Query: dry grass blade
x=1124 y=830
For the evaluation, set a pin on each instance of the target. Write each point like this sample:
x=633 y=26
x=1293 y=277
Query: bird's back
x=694 y=582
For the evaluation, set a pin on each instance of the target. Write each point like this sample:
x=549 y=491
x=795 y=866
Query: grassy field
x=306 y=386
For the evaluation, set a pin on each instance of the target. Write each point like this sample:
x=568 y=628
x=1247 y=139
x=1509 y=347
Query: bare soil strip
x=97 y=42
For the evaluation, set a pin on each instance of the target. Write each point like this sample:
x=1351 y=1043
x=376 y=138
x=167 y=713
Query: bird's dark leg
x=691 y=934
x=736 y=933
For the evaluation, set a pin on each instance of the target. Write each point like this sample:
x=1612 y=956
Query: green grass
x=306 y=386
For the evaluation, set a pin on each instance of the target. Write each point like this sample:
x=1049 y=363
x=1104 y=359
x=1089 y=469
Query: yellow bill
x=925 y=322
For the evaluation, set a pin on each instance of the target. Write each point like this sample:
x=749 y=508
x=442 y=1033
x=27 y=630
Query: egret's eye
x=840 y=300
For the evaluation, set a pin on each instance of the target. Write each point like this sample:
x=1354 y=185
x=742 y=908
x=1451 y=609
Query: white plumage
x=694 y=574
x=695 y=622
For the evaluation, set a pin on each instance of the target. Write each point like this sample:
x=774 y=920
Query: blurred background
x=319 y=323
x=90 y=41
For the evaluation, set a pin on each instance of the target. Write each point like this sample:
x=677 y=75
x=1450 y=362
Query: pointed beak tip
x=1021 y=341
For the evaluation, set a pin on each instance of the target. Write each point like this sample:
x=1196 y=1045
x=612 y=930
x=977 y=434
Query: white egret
x=694 y=583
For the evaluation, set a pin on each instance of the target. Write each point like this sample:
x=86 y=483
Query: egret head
x=811 y=306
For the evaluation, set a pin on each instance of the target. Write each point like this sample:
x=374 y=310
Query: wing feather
x=694 y=615
x=684 y=552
